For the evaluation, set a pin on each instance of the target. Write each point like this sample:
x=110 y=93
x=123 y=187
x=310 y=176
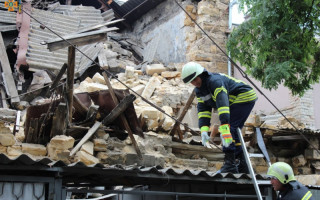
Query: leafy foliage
x=278 y=43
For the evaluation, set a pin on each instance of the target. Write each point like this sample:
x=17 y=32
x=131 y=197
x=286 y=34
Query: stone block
x=86 y=158
x=311 y=154
x=170 y=74
x=112 y=158
x=129 y=73
x=138 y=89
x=7 y=139
x=62 y=142
x=302 y=170
x=100 y=145
x=253 y=120
x=3 y=149
x=298 y=161
x=58 y=154
x=87 y=147
x=14 y=150
x=155 y=69
x=153 y=83
x=34 y=149
x=313 y=179
x=98 y=78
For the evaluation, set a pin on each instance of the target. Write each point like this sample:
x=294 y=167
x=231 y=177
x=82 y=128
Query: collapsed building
x=100 y=142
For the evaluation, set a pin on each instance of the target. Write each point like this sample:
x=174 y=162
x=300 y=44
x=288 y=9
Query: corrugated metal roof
x=7 y=20
x=70 y=21
x=25 y=160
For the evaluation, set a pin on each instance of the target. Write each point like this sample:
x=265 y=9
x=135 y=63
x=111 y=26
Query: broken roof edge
x=23 y=163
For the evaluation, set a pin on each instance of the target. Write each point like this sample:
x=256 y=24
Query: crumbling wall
x=174 y=38
x=212 y=16
x=162 y=32
x=304 y=109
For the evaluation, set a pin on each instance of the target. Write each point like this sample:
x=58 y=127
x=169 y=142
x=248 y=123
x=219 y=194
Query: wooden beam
x=58 y=120
x=7 y=74
x=122 y=106
x=183 y=113
x=57 y=79
x=122 y=117
x=70 y=79
x=78 y=39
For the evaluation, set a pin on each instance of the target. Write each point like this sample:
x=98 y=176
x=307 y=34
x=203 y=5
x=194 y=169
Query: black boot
x=242 y=166
x=229 y=164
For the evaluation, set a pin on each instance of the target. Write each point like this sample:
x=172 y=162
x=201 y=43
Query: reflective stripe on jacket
x=220 y=91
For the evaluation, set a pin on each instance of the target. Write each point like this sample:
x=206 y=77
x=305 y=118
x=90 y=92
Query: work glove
x=225 y=135
x=205 y=138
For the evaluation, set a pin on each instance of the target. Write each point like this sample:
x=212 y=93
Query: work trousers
x=239 y=113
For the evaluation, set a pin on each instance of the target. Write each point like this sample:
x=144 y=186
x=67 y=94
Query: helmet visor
x=189 y=78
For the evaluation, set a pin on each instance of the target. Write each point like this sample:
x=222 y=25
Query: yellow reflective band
x=244 y=97
x=235 y=80
x=237 y=144
x=307 y=196
x=204 y=129
x=217 y=91
x=232 y=98
x=200 y=100
x=204 y=114
x=223 y=110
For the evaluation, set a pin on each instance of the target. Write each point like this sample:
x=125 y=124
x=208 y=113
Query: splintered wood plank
x=122 y=117
x=183 y=113
x=118 y=110
x=59 y=120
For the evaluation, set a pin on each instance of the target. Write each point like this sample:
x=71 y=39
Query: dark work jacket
x=220 y=91
x=295 y=191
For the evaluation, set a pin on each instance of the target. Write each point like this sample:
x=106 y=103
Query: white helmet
x=190 y=71
x=282 y=171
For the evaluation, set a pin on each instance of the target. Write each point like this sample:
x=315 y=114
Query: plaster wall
x=162 y=33
x=280 y=97
x=316 y=105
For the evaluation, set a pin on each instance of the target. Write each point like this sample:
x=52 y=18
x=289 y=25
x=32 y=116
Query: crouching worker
x=283 y=180
x=234 y=100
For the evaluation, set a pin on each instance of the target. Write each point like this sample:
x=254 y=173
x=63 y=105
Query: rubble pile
x=163 y=88
x=160 y=93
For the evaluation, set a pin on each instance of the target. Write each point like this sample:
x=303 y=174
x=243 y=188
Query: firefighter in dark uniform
x=283 y=180
x=233 y=99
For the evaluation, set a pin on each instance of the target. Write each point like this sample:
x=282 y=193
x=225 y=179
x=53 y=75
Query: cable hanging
x=246 y=77
x=113 y=76
x=157 y=107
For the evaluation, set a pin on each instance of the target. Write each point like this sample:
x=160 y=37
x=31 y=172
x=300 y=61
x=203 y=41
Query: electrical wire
x=113 y=76
x=157 y=107
x=246 y=77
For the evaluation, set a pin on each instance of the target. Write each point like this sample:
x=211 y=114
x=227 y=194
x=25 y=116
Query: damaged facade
x=143 y=57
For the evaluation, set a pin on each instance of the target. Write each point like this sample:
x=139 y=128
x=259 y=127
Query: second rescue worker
x=234 y=100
